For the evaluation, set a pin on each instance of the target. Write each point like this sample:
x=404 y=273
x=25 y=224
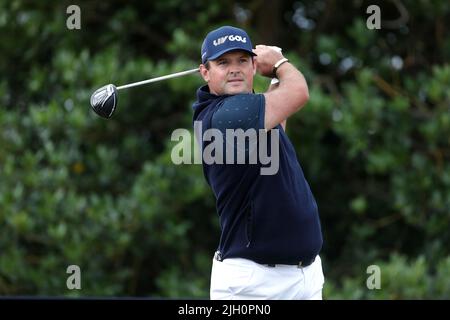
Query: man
x=270 y=228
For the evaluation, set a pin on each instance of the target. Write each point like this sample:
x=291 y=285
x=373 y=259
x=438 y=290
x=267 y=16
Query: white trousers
x=242 y=279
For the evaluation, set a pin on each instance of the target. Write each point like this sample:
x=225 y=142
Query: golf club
x=104 y=99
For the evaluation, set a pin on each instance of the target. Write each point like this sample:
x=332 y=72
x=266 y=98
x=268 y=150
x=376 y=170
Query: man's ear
x=204 y=72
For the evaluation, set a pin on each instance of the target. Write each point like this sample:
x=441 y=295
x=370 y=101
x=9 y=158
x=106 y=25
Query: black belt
x=300 y=264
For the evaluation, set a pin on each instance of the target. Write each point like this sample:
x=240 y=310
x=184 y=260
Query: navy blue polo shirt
x=267 y=218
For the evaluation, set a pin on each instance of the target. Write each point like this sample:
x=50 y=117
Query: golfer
x=270 y=228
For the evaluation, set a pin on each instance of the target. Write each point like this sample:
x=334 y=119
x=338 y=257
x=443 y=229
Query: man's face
x=231 y=73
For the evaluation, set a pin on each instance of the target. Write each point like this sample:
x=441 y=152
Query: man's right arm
x=271 y=88
x=291 y=93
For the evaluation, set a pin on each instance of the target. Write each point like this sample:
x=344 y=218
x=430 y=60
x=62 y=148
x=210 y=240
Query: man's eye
x=222 y=62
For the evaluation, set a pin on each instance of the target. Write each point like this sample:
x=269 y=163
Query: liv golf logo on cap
x=223 y=40
x=230 y=38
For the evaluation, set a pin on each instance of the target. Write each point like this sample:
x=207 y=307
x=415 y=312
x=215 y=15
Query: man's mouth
x=235 y=80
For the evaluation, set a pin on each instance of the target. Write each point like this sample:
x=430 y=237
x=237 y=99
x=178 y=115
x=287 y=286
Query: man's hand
x=266 y=59
x=286 y=97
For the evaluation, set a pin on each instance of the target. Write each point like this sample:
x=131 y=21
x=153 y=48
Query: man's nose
x=235 y=69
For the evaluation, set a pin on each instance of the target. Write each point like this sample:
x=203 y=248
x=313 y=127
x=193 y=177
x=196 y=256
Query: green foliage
x=104 y=194
x=400 y=279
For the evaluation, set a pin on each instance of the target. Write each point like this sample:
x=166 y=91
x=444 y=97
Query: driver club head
x=104 y=100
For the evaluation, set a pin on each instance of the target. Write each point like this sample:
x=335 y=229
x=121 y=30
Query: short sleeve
x=241 y=111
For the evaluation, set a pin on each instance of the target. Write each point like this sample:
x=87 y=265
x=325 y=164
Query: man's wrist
x=278 y=65
x=274 y=81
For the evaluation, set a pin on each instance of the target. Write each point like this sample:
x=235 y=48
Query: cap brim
x=218 y=54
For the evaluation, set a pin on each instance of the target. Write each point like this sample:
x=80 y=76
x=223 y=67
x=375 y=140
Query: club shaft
x=169 y=76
